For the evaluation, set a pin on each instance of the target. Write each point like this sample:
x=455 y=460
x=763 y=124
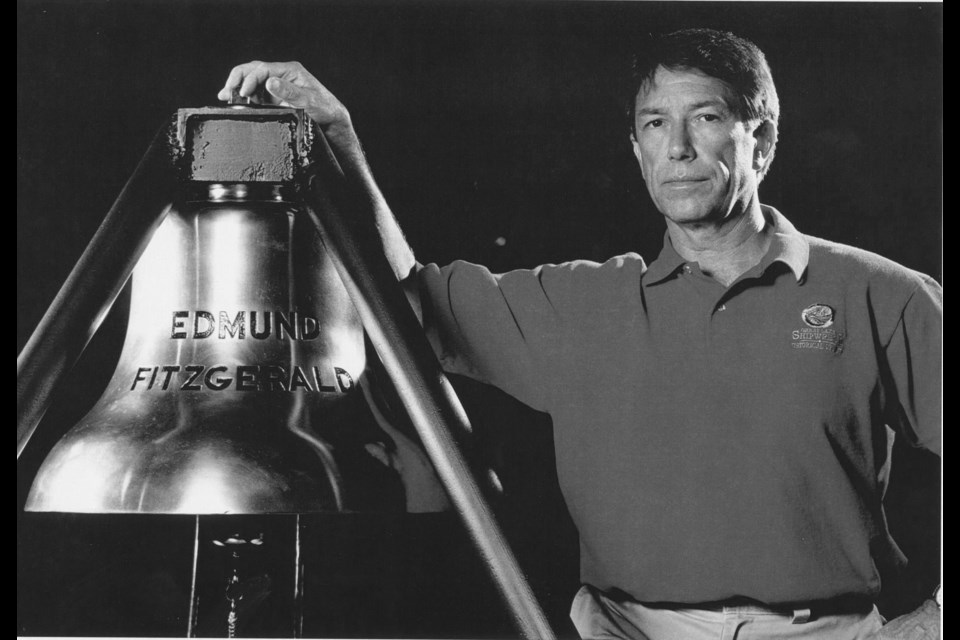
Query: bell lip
x=28 y=508
x=254 y=484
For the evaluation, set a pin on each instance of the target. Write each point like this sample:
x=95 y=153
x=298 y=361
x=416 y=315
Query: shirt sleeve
x=914 y=354
x=493 y=328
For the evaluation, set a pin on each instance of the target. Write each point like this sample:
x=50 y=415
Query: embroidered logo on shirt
x=816 y=335
x=817 y=315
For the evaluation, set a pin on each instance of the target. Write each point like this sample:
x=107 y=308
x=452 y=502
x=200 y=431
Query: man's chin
x=687 y=216
x=694 y=211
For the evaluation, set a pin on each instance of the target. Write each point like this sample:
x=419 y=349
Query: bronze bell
x=241 y=383
x=242 y=350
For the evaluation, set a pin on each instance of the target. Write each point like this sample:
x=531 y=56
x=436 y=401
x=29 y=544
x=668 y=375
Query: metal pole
x=93 y=285
x=298 y=571
x=194 y=603
x=436 y=412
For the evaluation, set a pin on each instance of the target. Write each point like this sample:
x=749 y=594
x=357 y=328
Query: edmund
x=203 y=324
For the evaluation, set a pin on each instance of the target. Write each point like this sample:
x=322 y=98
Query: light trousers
x=598 y=617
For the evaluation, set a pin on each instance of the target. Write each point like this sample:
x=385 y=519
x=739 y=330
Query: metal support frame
x=94 y=284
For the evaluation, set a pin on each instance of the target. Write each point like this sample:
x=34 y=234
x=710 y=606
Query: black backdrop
x=496 y=132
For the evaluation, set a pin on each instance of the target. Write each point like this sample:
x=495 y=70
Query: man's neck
x=725 y=249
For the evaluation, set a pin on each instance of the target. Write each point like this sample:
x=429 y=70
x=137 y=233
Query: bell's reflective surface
x=242 y=355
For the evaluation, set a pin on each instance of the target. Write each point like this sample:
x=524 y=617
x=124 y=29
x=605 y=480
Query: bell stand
x=329 y=187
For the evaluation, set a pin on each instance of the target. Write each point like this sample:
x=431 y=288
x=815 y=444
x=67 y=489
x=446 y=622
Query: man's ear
x=636 y=150
x=765 y=134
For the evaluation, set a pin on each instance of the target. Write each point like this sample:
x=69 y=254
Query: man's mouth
x=680 y=183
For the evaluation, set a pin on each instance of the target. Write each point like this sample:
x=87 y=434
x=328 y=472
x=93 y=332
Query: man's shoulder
x=857 y=266
x=580 y=274
x=575 y=279
x=591 y=267
x=579 y=267
x=579 y=286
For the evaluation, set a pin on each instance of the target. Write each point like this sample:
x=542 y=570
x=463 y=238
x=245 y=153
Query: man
x=719 y=414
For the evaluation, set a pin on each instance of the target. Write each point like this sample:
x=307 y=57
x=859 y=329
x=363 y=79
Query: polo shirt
x=712 y=442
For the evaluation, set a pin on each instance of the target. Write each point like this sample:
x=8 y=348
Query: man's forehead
x=685 y=84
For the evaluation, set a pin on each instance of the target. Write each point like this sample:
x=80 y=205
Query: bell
x=238 y=389
x=242 y=355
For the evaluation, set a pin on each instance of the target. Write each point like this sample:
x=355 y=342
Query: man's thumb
x=286 y=91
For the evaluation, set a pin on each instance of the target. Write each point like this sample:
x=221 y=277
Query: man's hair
x=719 y=54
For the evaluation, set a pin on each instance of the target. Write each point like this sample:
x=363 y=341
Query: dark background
x=497 y=133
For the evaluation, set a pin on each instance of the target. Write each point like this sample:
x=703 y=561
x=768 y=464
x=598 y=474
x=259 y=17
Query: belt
x=800 y=612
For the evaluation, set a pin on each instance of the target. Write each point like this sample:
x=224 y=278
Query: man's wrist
x=340 y=132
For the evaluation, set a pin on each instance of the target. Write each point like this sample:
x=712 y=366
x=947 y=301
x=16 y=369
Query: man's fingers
x=245 y=79
x=233 y=81
x=242 y=76
x=252 y=81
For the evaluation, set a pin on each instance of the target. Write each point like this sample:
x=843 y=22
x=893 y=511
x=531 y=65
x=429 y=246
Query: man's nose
x=681 y=146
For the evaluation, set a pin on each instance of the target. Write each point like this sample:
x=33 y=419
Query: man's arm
x=288 y=84
x=921 y=624
x=914 y=356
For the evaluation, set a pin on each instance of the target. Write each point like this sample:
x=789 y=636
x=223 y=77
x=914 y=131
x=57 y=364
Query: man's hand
x=288 y=84
x=922 y=624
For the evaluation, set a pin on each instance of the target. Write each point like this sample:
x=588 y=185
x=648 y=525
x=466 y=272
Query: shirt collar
x=787 y=246
x=666 y=264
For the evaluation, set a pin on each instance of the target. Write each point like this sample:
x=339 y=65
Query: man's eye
x=710 y=117
x=653 y=124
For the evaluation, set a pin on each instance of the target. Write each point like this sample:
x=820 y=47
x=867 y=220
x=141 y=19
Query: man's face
x=699 y=159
